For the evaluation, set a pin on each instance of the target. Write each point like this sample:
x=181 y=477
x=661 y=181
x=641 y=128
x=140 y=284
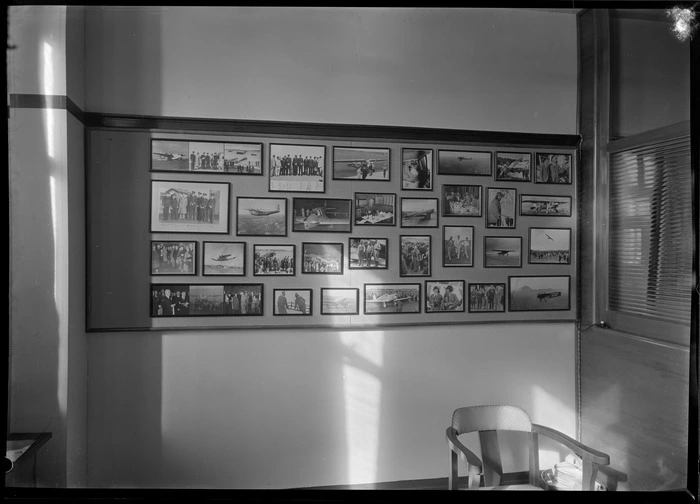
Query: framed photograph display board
x=256 y=211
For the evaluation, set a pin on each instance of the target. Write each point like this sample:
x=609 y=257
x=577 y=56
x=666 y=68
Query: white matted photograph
x=297 y=168
x=189 y=207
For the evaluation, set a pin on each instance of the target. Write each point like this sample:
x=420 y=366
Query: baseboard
x=516 y=478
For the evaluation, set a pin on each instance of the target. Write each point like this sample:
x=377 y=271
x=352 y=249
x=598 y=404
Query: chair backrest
x=488 y=417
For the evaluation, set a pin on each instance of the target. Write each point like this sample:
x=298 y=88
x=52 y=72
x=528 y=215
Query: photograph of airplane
x=550 y=246
x=452 y=162
x=261 y=216
x=361 y=163
x=513 y=166
x=547 y=206
x=322 y=215
x=243 y=158
x=502 y=251
x=392 y=298
x=539 y=293
x=337 y=301
x=419 y=212
x=224 y=258
x=169 y=155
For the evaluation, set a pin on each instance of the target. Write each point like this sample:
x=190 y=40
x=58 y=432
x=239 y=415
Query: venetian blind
x=650 y=231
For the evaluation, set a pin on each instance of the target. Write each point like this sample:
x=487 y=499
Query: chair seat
x=512 y=487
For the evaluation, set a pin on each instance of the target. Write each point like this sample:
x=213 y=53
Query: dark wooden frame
x=515 y=206
x=469 y=290
x=222 y=212
x=432 y=168
x=269 y=170
x=355 y=209
x=489 y=174
x=213 y=172
x=342 y=259
x=388 y=161
x=350 y=216
x=223 y=289
x=357 y=300
x=406 y=285
x=571 y=167
x=495 y=174
x=544 y=196
x=204 y=255
x=427 y=296
x=274 y=303
x=386 y=253
x=520 y=246
x=510 y=293
x=238 y=221
x=443 y=200
x=529 y=245
x=437 y=213
x=444 y=239
x=430 y=255
x=194 y=258
x=294 y=259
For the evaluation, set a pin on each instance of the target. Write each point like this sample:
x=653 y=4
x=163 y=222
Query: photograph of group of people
x=458 y=246
x=173 y=257
x=487 y=297
x=277 y=260
x=297 y=168
x=178 y=300
x=444 y=296
x=322 y=258
x=292 y=302
x=208 y=157
x=553 y=169
x=197 y=207
x=415 y=256
x=368 y=253
x=461 y=200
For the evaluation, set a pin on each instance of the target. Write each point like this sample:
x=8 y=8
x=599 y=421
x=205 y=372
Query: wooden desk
x=20 y=456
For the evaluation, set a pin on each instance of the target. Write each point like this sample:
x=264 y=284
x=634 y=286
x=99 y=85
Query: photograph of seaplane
x=539 y=293
x=169 y=155
x=452 y=162
x=361 y=163
x=375 y=209
x=513 y=166
x=243 y=158
x=224 y=258
x=419 y=212
x=322 y=215
x=546 y=206
x=322 y=258
x=261 y=216
x=392 y=298
x=335 y=301
x=502 y=251
x=297 y=168
x=550 y=246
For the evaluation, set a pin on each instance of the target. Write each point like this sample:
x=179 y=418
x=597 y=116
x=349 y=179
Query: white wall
x=277 y=409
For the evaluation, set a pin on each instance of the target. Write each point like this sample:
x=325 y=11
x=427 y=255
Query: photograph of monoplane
x=391 y=298
x=545 y=206
x=361 y=163
x=476 y=163
x=223 y=258
x=261 y=216
x=419 y=212
x=322 y=215
x=503 y=251
x=550 y=246
x=339 y=301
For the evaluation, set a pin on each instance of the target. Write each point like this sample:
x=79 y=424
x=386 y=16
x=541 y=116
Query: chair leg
x=453 y=478
x=590 y=471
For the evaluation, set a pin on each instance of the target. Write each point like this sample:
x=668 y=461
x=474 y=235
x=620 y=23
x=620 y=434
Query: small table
x=20 y=454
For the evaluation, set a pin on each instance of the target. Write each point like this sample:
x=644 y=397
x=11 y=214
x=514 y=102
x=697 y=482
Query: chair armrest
x=583 y=451
x=458 y=447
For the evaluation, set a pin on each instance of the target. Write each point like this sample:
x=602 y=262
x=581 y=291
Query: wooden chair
x=487 y=420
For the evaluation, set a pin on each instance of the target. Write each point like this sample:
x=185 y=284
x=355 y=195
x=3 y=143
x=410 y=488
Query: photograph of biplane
x=419 y=212
x=189 y=207
x=545 y=206
x=361 y=163
x=503 y=251
x=513 y=166
x=322 y=215
x=297 y=168
x=339 y=301
x=550 y=246
x=261 y=216
x=292 y=302
x=223 y=258
x=322 y=258
x=451 y=162
x=392 y=298
x=539 y=293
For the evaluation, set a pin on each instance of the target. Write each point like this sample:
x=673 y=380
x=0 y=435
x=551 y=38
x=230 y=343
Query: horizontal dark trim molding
x=41 y=101
x=322 y=130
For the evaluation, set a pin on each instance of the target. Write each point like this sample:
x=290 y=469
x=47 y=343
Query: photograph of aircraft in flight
x=223 y=258
x=503 y=251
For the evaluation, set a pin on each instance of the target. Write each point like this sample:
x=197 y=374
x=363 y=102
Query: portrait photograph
x=297 y=168
x=444 y=296
x=243 y=158
x=515 y=166
x=173 y=257
x=500 y=210
x=338 y=301
x=391 y=298
x=461 y=200
x=292 y=302
x=170 y=300
x=417 y=169
x=244 y=299
x=539 y=293
x=274 y=260
x=487 y=297
x=419 y=212
x=545 y=206
x=223 y=258
x=322 y=258
x=414 y=255
x=550 y=246
x=368 y=253
x=553 y=168
x=261 y=216
x=375 y=209
x=189 y=207
x=170 y=155
x=322 y=215
x=474 y=163
x=361 y=163
x=457 y=246
x=206 y=157
x=503 y=251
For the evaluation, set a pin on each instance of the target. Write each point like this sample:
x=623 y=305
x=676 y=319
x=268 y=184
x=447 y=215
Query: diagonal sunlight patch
x=48 y=86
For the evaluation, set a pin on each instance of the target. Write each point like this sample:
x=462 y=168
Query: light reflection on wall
x=553 y=412
x=362 y=389
x=48 y=82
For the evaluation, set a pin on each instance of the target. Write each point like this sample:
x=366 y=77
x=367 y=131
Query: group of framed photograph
x=204 y=207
